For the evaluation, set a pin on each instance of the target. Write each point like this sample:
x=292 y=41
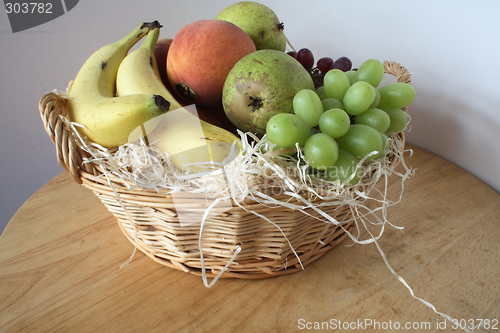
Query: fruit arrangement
x=220 y=118
x=235 y=71
x=116 y=92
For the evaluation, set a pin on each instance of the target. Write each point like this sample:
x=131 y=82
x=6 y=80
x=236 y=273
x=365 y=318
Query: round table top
x=60 y=259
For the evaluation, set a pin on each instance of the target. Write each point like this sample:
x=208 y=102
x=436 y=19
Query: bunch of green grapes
x=348 y=118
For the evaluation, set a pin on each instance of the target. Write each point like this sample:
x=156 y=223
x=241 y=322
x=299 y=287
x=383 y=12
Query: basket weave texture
x=151 y=220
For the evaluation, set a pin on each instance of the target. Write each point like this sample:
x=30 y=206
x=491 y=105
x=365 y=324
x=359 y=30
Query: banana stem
x=151 y=40
x=150 y=45
x=132 y=38
x=152 y=25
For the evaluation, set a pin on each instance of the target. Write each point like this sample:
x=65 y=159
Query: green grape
x=385 y=139
x=399 y=119
x=358 y=98
x=321 y=151
x=335 y=122
x=336 y=83
x=351 y=75
x=385 y=144
x=371 y=71
x=376 y=101
x=320 y=91
x=307 y=105
x=396 y=95
x=344 y=168
x=376 y=118
x=286 y=129
x=360 y=140
x=332 y=103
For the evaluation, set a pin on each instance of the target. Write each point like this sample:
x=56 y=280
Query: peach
x=200 y=57
x=214 y=114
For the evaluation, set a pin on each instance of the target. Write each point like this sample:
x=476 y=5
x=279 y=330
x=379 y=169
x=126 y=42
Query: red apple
x=201 y=56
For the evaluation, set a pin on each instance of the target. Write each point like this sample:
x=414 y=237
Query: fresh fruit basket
x=263 y=200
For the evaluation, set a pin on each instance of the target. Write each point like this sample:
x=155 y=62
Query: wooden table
x=60 y=258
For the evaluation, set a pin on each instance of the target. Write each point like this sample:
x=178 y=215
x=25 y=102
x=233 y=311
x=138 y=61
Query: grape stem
x=316 y=76
x=289 y=44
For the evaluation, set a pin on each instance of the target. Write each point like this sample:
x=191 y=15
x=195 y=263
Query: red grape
x=343 y=63
x=293 y=54
x=324 y=64
x=306 y=58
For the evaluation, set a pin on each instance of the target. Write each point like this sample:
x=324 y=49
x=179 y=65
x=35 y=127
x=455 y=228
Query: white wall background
x=451 y=47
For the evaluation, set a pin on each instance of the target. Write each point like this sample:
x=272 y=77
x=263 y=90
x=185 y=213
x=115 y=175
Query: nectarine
x=201 y=56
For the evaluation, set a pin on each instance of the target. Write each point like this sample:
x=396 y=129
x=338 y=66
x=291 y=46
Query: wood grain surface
x=60 y=259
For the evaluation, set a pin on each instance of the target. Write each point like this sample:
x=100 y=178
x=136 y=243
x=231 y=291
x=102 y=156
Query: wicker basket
x=151 y=220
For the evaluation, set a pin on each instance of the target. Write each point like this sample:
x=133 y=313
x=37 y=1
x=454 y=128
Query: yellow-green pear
x=259 y=22
x=260 y=85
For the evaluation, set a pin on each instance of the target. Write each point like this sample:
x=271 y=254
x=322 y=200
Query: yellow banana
x=183 y=136
x=109 y=120
x=138 y=72
x=192 y=145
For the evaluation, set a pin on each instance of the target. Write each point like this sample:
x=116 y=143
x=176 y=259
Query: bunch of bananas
x=117 y=94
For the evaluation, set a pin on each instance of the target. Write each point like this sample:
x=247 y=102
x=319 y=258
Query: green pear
x=260 y=85
x=259 y=22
